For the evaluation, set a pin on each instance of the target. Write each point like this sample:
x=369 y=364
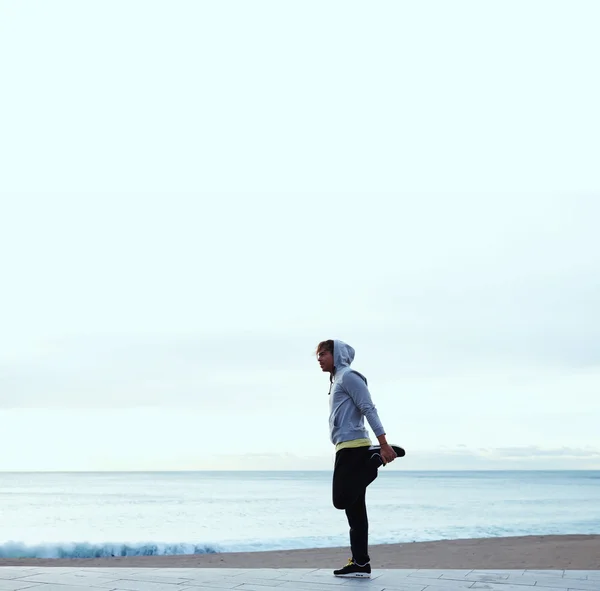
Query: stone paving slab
x=14 y=578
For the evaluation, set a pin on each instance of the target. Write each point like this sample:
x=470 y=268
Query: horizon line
x=328 y=470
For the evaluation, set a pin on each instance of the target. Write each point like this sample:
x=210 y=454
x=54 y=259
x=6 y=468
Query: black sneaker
x=354 y=570
x=376 y=457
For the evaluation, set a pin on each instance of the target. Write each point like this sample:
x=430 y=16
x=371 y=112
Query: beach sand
x=581 y=552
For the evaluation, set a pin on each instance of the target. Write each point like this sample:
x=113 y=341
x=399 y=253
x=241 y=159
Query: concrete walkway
x=13 y=578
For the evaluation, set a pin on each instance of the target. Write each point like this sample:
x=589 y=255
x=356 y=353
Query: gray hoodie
x=350 y=400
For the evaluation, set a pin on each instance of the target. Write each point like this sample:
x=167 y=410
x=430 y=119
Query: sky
x=193 y=195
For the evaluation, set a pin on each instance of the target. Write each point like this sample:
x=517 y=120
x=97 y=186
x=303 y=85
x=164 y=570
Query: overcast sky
x=193 y=195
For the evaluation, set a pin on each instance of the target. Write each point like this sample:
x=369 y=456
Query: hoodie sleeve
x=357 y=389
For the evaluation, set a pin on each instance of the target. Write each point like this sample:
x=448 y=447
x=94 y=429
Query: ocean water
x=136 y=513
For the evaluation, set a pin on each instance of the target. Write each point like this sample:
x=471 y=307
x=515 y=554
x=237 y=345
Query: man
x=356 y=460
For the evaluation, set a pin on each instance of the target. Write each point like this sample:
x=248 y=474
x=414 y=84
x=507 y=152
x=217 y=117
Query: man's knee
x=340 y=501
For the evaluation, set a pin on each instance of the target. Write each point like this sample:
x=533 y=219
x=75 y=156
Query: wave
x=100 y=550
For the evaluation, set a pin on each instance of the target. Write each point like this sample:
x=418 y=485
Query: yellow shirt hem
x=353 y=443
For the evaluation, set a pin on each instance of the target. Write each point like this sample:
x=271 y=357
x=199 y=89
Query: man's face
x=325 y=359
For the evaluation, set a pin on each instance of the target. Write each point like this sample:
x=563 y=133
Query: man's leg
x=359 y=530
x=352 y=473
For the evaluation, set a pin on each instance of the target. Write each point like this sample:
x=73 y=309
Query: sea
x=81 y=514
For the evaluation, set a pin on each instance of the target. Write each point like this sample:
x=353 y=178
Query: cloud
x=548 y=320
x=504 y=458
x=529 y=452
x=118 y=371
x=533 y=451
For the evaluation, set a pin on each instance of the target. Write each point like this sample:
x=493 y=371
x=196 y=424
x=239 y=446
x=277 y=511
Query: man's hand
x=387 y=453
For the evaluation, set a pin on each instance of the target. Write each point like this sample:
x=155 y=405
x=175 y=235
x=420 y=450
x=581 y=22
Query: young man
x=356 y=460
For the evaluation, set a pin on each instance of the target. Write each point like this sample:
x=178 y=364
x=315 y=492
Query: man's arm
x=359 y=392
x=387 y=451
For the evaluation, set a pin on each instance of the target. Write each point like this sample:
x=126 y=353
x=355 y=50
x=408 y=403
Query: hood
x=343 y=355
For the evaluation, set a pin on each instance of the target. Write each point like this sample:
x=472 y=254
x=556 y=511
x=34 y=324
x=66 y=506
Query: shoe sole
x=355 y=576
x=400 y=452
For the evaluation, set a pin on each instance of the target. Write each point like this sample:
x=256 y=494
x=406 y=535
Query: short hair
x=325 y=346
